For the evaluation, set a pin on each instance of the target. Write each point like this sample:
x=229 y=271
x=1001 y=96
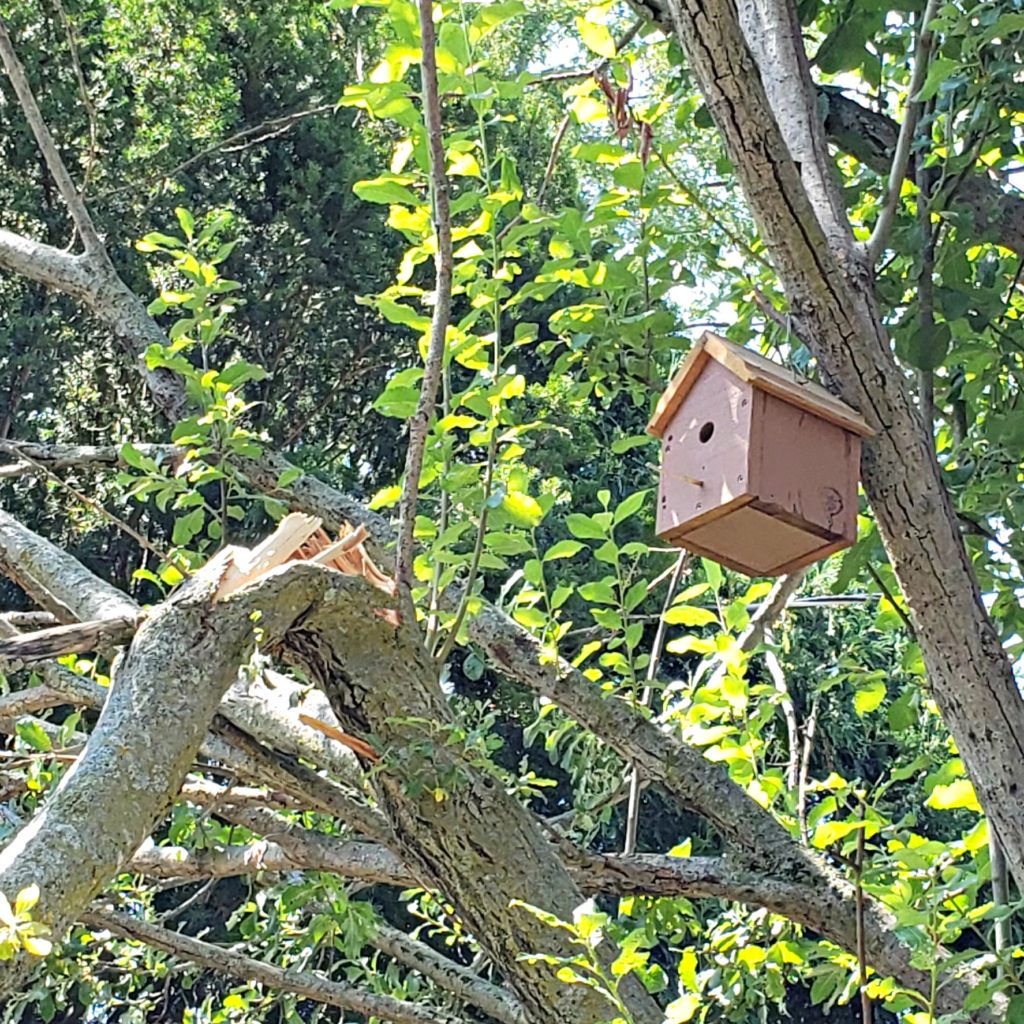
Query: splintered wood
x=301 y=538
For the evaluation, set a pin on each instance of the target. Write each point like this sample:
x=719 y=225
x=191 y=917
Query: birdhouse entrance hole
x=759 y=466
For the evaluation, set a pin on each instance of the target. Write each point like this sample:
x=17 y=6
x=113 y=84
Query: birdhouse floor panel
x=754 y=538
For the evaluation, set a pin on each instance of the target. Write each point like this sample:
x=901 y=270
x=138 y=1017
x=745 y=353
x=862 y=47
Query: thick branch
x=453 y=977
x=164 y=693
x=57 y=582
x=78 y=636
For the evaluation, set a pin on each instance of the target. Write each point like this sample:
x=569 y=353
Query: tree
x=425 y=792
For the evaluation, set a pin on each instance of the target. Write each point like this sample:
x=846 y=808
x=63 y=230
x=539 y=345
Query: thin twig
x=633 y=808
x=72 y=200
x=904 y=142
x=810 y=727
x=926 y=295
x=775 y=670
x=419 y=424
x=242 y=139
x=866 y=1006
x=563 y=125
x=699 y=203
x=1000 y=891
x=127 y=528
x=90 y=109
x=887 y=593
x=578 y=74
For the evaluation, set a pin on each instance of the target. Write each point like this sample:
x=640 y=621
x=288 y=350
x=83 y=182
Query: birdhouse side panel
x=705 y=450
x=804 y=467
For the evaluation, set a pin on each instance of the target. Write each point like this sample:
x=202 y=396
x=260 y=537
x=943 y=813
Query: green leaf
x=869 y=696
x=957 y=794
x=398 y=402
x=598 y=591
x=624 y=444
x=563 y=549
x=712 y=572
x=924 y=348
x=689 y=615
x=289 y=476
x=629 y=506
x=585 y=527
x=32 y=734
x=388 y=188
x=939 y=70
x=522 y=509
x=596 y=37
x=386 y=497
x=26 y=899
x=506 y=543
x=186 y=220
x=134 y=458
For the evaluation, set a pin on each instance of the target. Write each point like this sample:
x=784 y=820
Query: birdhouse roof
x=761 y=373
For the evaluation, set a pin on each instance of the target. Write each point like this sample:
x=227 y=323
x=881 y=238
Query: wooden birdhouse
x=759 y=466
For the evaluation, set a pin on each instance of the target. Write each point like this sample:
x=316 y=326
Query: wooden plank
x=672 y=397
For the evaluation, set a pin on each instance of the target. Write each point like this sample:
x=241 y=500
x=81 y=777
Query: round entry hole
x=705 y=432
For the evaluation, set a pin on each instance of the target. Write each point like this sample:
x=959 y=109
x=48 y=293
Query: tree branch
x=69 y=193
x=453 y=977
x=901 y=158
x=248 y=969
x=419 y=424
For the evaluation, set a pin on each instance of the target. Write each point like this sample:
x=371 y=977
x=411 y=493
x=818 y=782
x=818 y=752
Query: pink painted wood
x=751 y=480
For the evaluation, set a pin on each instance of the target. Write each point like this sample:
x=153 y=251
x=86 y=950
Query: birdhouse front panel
x=705 y=450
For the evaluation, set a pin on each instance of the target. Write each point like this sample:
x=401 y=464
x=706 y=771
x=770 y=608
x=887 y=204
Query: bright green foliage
x=17 y=929
x=583 y=268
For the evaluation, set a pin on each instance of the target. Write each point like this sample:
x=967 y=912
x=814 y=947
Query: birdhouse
x=759 y=466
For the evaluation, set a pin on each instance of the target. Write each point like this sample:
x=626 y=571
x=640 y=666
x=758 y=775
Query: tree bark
x=454 y=823
x=164 y=693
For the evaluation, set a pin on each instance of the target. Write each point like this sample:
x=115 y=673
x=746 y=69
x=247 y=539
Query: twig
x=775 y=670
x=237 y=965
x=810 y=727
x=887 y=593
x=94 y=505
x=242 y=139
x=72 y=200
x=1000 y=891
x=633 y=807
x=694 y=198
x=578 y=74
x=563 y=125
x=866 y=1006
x=926 y=296
x=90 y=109
x=419 y=424
x=478 y=548
x=901 y=158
